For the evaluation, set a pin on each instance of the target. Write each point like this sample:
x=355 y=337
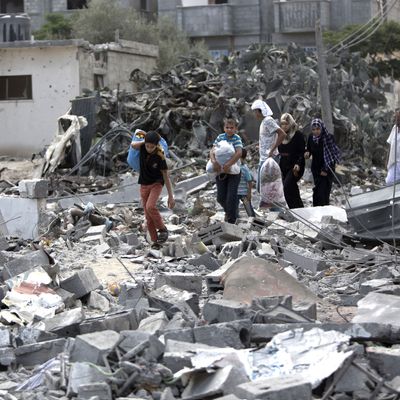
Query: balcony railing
x=300 y=16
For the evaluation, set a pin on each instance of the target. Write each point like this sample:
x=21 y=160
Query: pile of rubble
x=257 y=310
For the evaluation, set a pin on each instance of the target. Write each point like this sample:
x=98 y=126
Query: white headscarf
x=263 y=106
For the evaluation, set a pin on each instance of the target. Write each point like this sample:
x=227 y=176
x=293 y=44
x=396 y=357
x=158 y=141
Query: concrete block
x=288 y=388
x=30 y=335
x=96 y=230
x=38 y=353
x=7 y=356
x=131 y=239
x=353 y=380
x=131 y=339
x=94 y=240
x=33 y=188
x=206 y=259
x=204 y=385
x=68 y=298
x=228 y=397
x=100 y=391
x=25 y=263
x=310 y=263
x=215 y=311
x=119 y=321
x=385 y=360
x=93 y=347
x=82 y=373
x=23 y=215
x=223 y=231
x=166 y=297
x=229 y=334
x=132 y=295
x=5 y=338
x=189 y=282
x=183 y=335
x=81 y=283
x=178 y=354
x=99 y=302
x=102 y=248
x=308 y=310
x=65 y=323
x=154 y=324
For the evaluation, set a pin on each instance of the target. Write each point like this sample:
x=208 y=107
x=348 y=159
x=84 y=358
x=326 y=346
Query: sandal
x=162 y=236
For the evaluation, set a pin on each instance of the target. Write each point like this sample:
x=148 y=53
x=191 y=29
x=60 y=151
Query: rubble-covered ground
x=288 y=305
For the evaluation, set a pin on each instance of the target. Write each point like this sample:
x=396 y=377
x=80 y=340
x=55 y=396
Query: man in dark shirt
x=153 y=175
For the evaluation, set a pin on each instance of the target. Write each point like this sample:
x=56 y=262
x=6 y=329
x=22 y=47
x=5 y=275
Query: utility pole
x=323 y=79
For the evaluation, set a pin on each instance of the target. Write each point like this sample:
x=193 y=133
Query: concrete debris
x=260 y=309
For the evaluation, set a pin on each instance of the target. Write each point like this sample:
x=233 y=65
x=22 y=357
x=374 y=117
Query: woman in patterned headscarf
x=325 y=155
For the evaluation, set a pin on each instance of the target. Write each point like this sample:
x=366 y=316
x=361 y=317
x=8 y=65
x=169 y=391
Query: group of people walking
x=282 y=141
x=285 y=144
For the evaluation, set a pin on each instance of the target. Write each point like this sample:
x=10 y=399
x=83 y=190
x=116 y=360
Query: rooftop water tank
x=14 y=27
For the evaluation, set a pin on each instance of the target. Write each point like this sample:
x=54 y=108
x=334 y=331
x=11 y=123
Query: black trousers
x=227 y=195
x=322 y=189
x=291 y=190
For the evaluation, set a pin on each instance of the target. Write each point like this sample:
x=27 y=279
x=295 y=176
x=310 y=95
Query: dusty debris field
x=285 y=305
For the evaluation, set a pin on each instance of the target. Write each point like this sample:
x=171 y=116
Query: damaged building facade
x=38 y=80
x=38 y=9
x=230 y=25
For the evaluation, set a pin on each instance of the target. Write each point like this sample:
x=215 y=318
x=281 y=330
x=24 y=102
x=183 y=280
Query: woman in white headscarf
x=271 y=134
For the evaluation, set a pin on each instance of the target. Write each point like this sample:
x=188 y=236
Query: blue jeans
x=227 y=195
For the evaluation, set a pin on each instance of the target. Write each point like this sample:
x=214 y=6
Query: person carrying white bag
x=225 y=156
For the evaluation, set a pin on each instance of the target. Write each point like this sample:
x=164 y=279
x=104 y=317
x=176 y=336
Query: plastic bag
x=134 y=154
x=223 y=153
x=271 y=184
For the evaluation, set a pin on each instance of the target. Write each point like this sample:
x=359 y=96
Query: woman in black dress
x=291 y=152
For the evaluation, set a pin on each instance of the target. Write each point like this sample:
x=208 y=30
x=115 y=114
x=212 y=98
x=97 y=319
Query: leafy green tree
x=56 y=27
x=103 y=18
x=385 y=40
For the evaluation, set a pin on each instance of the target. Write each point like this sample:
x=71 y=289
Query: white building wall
x=28 y=125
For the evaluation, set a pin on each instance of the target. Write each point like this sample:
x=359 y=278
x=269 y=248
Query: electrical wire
x=356 y=37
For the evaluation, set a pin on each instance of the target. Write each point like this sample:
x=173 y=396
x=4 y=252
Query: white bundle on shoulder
x=271 y=186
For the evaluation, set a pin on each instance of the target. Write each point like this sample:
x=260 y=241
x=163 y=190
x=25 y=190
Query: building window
x=11 y=6
x=17 y=87
x=143 y=5
x=76 y=4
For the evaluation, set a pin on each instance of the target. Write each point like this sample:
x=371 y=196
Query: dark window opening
x=76 y=4
x=143 y=5
x=221 y=1
x=98 y=82
x=11 y=6
x=16 y=87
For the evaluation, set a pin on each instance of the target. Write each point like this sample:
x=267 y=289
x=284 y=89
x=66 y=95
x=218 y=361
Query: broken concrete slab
x=81 y=283
x=193 y=185
x=97 y=301
x=289 y=388
x=204 y=385
x=154 y=324
x=25 y=262
x=166 y=297
x=153 y=350
x=98 y=390
x=304 y=259
x=377 y=307
x=206 y=259
x=7 y=356
x=250 y=277
x=82 y=373
x=38 y=353
x=184 y=281
x=65 y=323
x=93 y=347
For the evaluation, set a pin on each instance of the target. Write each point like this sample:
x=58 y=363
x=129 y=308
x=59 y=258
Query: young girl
x=246 y=185
x=153 y=175
x=325 y=154
x=228 y=182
